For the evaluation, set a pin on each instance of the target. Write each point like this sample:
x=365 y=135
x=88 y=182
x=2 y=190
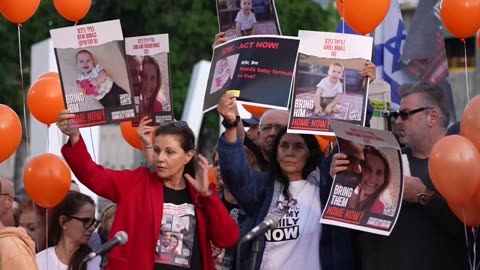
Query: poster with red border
x=327 y=82
x=93 y=73
x=368 y=195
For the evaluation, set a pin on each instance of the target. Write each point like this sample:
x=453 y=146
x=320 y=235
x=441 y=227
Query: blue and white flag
x=389 y=41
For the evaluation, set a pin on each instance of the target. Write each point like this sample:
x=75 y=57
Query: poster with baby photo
x=149 y=67
x=328 y=85
x=93 y=72
x=257 y=69
x=367 y=195
x=238 y=18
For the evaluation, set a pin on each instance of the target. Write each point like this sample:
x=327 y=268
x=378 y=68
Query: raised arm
x=104 y=182
x=222 y=229
x=145 y=132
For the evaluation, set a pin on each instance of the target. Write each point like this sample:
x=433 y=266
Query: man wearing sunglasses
x=427 y=235
x=17 y=249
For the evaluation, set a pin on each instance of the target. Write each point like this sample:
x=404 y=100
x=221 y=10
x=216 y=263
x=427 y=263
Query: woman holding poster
x=170 y=217
x=375 y=179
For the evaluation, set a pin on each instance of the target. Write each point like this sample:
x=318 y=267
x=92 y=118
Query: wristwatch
x=227 y=124
x=425 y=197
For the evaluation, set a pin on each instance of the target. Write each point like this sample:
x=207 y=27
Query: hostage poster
x=93 y=72
x=238 y=18
x=149 y=69
x=368 y=195
x=327 y=81
x=259 y=68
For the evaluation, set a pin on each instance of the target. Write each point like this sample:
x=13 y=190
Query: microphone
x=270 y=222
x=120 y=238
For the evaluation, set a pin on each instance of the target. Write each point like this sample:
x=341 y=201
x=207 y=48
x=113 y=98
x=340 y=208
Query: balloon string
x=46 y=230
x=23 y=91
x=93 y=145
x=466 y=69
x=466 y=239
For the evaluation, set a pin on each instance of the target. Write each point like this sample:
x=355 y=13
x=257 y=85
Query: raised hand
x=369 y=70
x=339 y=164
x=145 y=131
x=227 y=107
x=63 y=124
x=201 y=182
x=219 y=39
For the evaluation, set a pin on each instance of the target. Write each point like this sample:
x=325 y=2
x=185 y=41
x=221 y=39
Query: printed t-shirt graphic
x=224 y=259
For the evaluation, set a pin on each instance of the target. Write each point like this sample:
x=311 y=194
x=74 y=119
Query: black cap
x=254 y=120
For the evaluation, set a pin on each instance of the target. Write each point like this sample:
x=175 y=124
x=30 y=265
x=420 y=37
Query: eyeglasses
x=405 y=113
x=87 y=222
x=268 y=128
x=169 y=123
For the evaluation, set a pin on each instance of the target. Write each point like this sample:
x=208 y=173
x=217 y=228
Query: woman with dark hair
x=71 y=225
x=291 y=188
x=151 y=84
x=375 y=179
x=152 y=204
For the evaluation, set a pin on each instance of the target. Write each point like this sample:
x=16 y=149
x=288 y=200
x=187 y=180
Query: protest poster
x=93 y=73
x=238 y=18
x=368 y=195
x=149 y=69
x=260 y=68
x=327 y=81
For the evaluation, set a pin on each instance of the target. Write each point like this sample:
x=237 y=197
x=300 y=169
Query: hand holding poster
x=239 y=18
x=327 y=81
x=149 y=69
x=93 y=73
x=367 y=195
x=259 y=67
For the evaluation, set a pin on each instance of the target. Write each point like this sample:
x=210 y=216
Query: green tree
x=191 y=26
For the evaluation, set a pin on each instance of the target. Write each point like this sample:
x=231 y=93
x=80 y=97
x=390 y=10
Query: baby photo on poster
x=93 y=72
x=238 y=18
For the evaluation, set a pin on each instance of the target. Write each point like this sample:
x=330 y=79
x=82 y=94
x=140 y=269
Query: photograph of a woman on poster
x=151 y=84
x=375 y=179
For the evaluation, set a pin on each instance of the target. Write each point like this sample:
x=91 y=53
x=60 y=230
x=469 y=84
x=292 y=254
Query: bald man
x=6 y=202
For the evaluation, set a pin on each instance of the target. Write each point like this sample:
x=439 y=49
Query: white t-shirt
x=47 y=260
x=328 y=90
x=246 y=22
x=295 y=243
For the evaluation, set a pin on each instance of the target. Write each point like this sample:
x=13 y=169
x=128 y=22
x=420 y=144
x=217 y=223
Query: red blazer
x=139 y=197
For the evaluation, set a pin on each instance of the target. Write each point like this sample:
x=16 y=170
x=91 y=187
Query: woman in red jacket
x=157 y=207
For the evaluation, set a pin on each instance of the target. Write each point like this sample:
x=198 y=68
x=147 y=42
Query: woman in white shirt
x=71 y=225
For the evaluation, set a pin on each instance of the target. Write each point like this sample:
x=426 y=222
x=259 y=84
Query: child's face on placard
x=335 y=72
x=85 y=62
x=247 y=4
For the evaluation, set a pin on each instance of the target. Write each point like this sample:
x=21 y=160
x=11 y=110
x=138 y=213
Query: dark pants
x=112 y=98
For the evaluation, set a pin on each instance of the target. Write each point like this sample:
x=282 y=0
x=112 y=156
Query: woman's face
x=292 y=153
x=173 y=243
x=149 y=81
x=34 y=224
x=169 y=157
x=80 y=226
x=373 y=175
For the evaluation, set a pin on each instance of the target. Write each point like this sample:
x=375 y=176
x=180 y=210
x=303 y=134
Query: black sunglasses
x=87 y=222
x=169 y=123
x=405 y=114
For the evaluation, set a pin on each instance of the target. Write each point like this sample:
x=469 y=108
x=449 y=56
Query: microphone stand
x=255 y=251
x=104 y=262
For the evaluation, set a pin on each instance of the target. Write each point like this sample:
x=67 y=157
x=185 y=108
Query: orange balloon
x=45 y=100
x=255 y=110
x=47 y=180
x=363 y=16
x=323 y=141
x=461 y=17
x=11 y=130
x=468 y=213
x=211 y=175
x=130 y=135
x=49 y=75
x=72 y=10
x=18 y=11
x=470 y=123
x=453 y=167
